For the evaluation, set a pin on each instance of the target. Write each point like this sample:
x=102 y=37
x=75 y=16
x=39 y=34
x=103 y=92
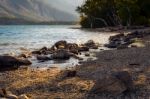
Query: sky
x=66 y=5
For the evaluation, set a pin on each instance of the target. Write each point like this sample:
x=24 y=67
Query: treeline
x=101 y=13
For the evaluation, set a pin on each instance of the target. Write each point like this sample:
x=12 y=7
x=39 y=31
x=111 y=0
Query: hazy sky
x=66 y=5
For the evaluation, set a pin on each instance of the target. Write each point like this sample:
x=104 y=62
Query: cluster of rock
x=124 y=40
x=62 y=50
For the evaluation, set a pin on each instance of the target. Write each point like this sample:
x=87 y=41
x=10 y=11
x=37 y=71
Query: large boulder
x=60 y=44
x=110 y=85
x=91 y=44
x=61 y=54
x=10 y=62
x=116 y=83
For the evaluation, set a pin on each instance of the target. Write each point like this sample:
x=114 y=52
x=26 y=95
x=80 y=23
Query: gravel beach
x=53 y=83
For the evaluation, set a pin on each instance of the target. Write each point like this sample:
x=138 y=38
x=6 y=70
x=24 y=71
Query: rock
x=111 y=45
x=87 y=54
x=9 y=62
x=71 y=73
x=7 y=95
x=11 y=96
x=61 y=44
x=44 y=48
x=89 y=43
x=137 y=44
x=36 y=52
x=22 y=56
x=24 y=62
x=2 y=92
x=43 y=51
x=108 y=84
x=135 y=34
x=43 y=58
x=83 y=48
x=73 y=48
x=101 y=49
x=61 y=54
x=23 y=97
x=76 y=57
x=116 y=37
x=74 y=51
x=94 y=47
x=126 y=78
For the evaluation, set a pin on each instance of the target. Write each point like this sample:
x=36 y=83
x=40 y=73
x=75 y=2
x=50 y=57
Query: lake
x=14 y=37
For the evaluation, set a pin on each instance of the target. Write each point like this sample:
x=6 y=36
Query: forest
x=104 y=13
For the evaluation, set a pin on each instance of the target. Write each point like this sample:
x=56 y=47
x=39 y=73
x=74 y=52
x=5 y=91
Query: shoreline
x=55 y=84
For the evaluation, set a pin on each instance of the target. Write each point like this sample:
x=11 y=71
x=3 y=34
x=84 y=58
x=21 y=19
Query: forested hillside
x=99 y=13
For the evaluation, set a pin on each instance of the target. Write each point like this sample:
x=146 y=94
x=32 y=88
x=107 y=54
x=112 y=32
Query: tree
x=100 y=13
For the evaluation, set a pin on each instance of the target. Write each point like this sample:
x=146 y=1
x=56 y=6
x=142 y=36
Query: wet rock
x=108 y=84
x=136 y=34
x=22 y=56
x=74 y=51
x=116 y=37
x=94 y=47
x=87 y=54
x=24 y=62
x=73 y=48
x=119 y=41
x=91 y=44
x=83 y=48
x=61 y=44
x=76 y=57
x=61 y=54
x=43 y=58
x=9 y=62
x=44 y=48
x=36 y=52
x=112 y=45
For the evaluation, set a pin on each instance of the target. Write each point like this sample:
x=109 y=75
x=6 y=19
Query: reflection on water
x=14 y=37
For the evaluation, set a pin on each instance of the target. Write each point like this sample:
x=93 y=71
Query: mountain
x=37 y=11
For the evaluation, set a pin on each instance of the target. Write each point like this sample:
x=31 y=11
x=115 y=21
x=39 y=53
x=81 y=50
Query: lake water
x=14 y=37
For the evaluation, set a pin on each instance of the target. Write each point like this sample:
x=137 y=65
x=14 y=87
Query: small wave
x=7 y=44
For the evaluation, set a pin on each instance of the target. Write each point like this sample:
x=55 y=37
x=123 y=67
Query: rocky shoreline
x=122 y=73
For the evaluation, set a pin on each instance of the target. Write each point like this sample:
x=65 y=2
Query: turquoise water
x=15 y=37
